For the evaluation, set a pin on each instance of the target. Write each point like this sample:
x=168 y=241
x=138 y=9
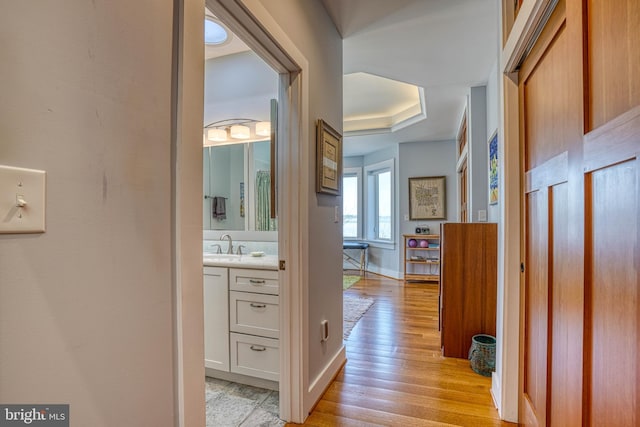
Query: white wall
x=413 y=159
x=426 y=159
x=309 y=26
x=238 y=86
x=86 y=309
x=478 y=165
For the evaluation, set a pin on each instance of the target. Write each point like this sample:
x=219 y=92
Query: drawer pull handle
x=254 y=305
x=256 y=348
x=256 y=282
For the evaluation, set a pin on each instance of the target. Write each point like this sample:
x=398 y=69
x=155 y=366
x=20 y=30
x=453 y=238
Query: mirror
x=237 y=187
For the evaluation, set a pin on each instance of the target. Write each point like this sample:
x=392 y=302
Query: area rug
x=348 y=281
x=353 y=309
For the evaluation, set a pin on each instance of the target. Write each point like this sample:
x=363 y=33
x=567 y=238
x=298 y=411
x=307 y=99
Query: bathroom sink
x=241 y=261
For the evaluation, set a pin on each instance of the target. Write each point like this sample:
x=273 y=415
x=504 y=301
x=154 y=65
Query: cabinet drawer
x=247 y=280
x=255 y=356
x=255 y=314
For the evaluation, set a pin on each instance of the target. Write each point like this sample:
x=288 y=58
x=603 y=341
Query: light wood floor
x=395 y=374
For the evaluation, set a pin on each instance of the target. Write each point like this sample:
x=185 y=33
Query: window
x=351 y=202
x=380 y=201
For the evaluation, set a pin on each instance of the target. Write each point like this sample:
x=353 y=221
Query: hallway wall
x=86 y=313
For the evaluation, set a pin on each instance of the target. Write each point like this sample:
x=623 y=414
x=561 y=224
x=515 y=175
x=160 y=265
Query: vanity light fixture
x=233 y=131
x=263 y=128
x=240 y=132
x=217 y=135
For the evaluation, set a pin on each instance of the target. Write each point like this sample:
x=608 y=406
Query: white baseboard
x=322 y=381
x=385 y=272
x=496 y=392
x=241 y=379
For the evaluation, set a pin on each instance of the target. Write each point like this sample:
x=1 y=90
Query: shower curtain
x=263 y=202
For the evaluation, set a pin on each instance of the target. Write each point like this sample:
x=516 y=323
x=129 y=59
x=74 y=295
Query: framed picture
x=427 y=198
x=328 y=159
x=493 y=169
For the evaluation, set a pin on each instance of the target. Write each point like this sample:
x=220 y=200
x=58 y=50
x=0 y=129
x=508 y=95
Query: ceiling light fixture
x=214 y=32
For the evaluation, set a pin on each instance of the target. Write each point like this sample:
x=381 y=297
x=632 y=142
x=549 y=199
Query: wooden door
x=611 y=166
x=551 y=133
x=580 y=136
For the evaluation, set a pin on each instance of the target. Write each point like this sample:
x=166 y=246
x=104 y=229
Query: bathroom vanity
x=241 y=319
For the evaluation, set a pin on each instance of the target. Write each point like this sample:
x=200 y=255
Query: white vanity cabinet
x=254 y=322
x=216 y=318
x=242 y=324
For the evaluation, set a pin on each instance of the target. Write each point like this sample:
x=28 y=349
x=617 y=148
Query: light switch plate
x=22 y=200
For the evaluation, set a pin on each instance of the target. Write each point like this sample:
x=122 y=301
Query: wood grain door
x=551 y=134
x=579 y=92
x=611 y=147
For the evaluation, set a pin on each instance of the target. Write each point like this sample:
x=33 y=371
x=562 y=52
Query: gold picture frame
x=328 y=159
x=427 y=198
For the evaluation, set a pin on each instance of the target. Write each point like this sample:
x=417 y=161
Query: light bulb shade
x=240 y=132
x=217 y=135
x=263 y=128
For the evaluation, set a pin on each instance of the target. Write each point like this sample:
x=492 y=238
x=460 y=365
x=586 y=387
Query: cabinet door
x=216 y=318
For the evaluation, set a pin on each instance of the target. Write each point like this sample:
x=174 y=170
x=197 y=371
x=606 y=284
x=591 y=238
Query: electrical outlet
x=325 y=330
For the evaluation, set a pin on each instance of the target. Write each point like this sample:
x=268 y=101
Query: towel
x=218 y=209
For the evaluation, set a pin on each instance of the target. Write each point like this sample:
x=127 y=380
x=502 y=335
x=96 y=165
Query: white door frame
x=251 y=22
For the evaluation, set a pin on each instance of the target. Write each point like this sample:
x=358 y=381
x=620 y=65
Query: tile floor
x=233 y=405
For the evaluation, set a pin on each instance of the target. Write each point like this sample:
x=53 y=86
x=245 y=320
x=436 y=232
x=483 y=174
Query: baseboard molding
x=241 y=379
x=322 y=381
x=385 y=272
x=496 y=392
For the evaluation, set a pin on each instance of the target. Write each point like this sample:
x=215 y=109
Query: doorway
x=290 y=90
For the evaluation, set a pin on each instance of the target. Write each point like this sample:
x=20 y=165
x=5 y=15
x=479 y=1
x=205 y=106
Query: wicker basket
x=482 y=354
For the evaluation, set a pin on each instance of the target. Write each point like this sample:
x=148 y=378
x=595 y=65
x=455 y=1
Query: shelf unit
x=422 y=263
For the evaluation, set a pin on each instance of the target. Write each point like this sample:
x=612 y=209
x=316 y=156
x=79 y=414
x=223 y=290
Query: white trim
x=357 y=171
x=505 y=382
x=385 y=272
x=532 y=16
x=319 y=384
x=368 y=231
x=268 y=40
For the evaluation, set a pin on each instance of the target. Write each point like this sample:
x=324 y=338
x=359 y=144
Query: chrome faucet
x=230 y=248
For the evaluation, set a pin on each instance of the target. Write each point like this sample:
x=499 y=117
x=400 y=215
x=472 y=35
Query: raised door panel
x=536 y=308
x=566 y=316
x=612 y=313
x=613 y=58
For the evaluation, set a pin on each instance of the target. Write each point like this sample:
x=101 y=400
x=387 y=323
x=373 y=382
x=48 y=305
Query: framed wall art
x=328 y=159
x=493 y=169
x=427 y=198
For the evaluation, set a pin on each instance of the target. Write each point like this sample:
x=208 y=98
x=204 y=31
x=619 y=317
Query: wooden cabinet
x=422 y=257
x=468 y=282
